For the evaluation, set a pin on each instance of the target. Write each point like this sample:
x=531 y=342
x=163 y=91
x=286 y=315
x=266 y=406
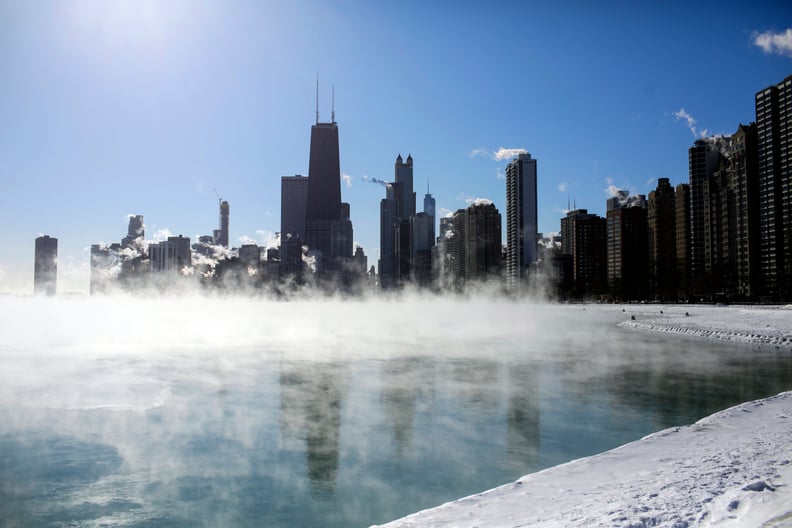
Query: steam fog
x=246 y=412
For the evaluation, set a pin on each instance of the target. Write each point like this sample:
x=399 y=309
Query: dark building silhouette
x=774 y=135
x=388 y=220
x=682 y=206
x=661 y=225
x=135 y=232
x=294 y=197
x=584 y=238
x=45 y=266
x=744 y=182
x=521 y=219
x=221 y=234
x=328 y=229
x=628 y=278
x=405 y=197
x=703 y=161
x=482 y=242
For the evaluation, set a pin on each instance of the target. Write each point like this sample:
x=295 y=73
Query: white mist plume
x=347 y=179
x=563 y=186
x=478 y=201
x=776 y=43
x=683 y=115
x=369 y=179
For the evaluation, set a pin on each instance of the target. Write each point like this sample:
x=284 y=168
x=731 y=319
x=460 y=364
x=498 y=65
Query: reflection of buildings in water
x=403 y=380
x=476 y=382
x=310 y=408
x=523 y=415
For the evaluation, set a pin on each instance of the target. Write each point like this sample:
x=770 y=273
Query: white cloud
x=682 y=115
x=162 y=235
x=246 y=240
x=508 y=153
x=445 y=213
x=612 y=191
x=563 y=186
x=651 y=182
x=777 y=43
x=477 y=201
x=499 y=155
x=347 y=179
x=500 y=175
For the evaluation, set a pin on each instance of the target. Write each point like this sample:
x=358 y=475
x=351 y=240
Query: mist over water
x=246 y=412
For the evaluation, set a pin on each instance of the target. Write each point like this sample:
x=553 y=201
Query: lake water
x=223 y=412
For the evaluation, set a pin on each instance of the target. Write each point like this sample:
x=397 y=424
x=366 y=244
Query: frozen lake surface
x=240 y=412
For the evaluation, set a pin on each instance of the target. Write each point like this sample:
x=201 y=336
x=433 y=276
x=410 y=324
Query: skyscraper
x=429 y=208
x=294 y=196
x=45 y=266
x=221 y=234
x=703 y=161
x=135 y=231
x=405 y=196
x=521 y=218
x=328 y=228
x=387 y=249
x=774 y=132
x=628 y=278
x=482 y=242
x=661 y=217
x=171 y=254
x=682 y=220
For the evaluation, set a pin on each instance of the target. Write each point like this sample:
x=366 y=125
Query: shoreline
x=732 y=468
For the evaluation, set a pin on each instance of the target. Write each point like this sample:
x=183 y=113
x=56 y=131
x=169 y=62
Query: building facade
x=521 y=219
x=45 y=266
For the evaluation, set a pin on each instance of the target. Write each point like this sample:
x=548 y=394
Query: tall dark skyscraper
x=405 y=197
x=661 y=218
x=45 y=266
x=135 y=231
x=774 y=132
x=521 y=218
x=703 y=161
x=429 y=208
x=294 y=196
x=328 y=228
x=387 y=250
x=221 y=234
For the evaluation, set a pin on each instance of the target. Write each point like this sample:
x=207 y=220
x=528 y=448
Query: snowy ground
x=733 y=468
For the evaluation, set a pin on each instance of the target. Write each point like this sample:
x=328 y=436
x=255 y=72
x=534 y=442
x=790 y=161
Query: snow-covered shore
x=733 y=468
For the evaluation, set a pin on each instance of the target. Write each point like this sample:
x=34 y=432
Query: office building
x=774 y=137
x=482 y=242
x=682 y=220
x=172 y=254
x=626 y=225
x=584 y=240
x=294 y=197
x=661 y=225
x=45 y=266
x=388 y=216
x=221 y=234
x=521 y=219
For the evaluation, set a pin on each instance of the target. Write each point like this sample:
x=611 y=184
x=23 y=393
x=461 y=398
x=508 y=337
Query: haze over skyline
x=118 y=108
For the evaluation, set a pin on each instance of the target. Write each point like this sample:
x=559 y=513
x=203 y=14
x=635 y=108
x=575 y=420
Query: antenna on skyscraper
x=332 y=107
x=568 y=203
x=317 y=98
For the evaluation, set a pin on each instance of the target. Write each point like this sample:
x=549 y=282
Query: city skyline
x=109 y=112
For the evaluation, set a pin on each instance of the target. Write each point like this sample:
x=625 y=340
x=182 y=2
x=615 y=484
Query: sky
x=112 y=108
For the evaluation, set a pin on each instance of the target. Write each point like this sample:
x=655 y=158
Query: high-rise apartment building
x=521 y=219
x=703 y=161
x=682 y=213
x=294 y=196
x=482 y=242
x=388 y=216
x=661 y=225
x=628 y=278
x=744 y=185
x=584 y=239
x=774 y=137
x=45 y=266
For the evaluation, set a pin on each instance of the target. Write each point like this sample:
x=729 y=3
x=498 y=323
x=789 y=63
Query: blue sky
x=109 y=108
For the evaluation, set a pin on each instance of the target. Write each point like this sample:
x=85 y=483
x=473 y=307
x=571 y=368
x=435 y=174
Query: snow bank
x=733 y=468
x=756 y=326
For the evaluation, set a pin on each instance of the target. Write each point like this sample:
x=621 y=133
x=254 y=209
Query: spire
x=332 y=115
x=568 y=203
x=317 y=98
